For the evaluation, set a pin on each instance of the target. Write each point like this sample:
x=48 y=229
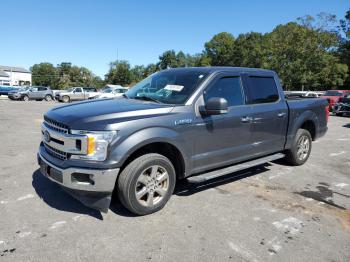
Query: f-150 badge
x=183 y=121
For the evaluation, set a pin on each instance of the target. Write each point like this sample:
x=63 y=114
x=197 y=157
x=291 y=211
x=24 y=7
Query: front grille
x=55 y=152
x=56 y=126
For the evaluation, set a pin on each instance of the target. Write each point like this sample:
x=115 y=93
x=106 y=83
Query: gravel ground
x=270 y=213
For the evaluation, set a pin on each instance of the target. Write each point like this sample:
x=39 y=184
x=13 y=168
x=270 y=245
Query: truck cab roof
x=218 y=69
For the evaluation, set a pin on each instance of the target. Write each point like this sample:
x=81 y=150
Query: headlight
x=97 y=144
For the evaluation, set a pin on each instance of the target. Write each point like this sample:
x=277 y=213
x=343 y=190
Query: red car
x=333 y=96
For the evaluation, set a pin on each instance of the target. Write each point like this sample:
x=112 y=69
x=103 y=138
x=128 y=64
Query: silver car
x=32 y=93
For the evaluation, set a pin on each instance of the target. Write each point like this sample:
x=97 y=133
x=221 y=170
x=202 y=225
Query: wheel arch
x=163 y=141
x=307 y=120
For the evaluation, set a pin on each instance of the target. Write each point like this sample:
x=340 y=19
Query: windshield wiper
x=147 y=98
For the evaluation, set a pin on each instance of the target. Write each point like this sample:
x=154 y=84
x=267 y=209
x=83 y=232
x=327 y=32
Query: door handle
x=246 y=119
x=281 y=114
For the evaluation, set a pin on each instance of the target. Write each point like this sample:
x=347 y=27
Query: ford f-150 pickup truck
x=193 y=123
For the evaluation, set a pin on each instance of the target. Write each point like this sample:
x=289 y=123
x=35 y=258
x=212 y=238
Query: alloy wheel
x=303 y=147
x=152 y=185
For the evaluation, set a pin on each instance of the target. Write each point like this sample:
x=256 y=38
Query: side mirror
x=215 y=106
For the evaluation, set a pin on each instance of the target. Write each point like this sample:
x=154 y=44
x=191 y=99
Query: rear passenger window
x=228 y=88
x=41 y=88
x=262 y=90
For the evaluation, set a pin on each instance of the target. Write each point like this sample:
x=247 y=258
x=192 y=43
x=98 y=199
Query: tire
x=339 y=114
x=25 y=98
x=300 y=151
x=48 y=98
x=146 y=176
x=66 y=99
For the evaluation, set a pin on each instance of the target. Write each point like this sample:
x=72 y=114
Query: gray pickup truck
x=193 y=123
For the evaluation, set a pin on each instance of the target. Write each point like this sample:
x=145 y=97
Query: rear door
x=41 y=92
x=269 y=113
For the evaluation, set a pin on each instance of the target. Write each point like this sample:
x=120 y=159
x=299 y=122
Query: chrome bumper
x=91 y=180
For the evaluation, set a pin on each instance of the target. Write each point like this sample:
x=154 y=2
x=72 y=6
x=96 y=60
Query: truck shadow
x=184 y=188
x=55 y=197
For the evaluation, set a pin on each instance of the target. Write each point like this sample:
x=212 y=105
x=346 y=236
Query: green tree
x=220 y=49
x=138 y=73
x=44 y=74
x=344 y=46
x=301 y=55
x=250 y=50
x=168 y=60
x=120 y=73
x=150 y=69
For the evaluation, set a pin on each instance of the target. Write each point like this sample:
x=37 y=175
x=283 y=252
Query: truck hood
x=100 y=113
x=61 y=93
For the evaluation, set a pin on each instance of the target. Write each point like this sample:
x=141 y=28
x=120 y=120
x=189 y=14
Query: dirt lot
x=271 y=213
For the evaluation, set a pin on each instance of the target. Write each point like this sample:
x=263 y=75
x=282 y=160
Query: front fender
x=121 y=151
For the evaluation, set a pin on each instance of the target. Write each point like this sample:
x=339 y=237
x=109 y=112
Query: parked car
x=342 y=107
x=4 y=90
x=333 y=96
x=31 y=93
x=76 y=94
x=109 y=92
x=193 y=123
x=303 y=94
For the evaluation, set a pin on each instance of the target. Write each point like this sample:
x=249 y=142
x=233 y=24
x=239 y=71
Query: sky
x=91 y=33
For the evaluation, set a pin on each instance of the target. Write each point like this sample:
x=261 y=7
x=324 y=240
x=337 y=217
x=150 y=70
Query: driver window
x=34 y=89
x=227 y=87
x=78 y=90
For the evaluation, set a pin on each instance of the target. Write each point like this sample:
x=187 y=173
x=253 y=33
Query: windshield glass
x=169 y=87
x=332 y=93
x=107 y=90
x=70 y=89
x=23 y=89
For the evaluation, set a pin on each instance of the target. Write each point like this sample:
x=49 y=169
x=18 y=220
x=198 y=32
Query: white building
x=15 y=76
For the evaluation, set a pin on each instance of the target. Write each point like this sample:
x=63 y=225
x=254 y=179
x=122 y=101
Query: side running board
x=228 y=170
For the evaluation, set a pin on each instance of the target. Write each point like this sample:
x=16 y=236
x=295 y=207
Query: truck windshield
x=168 y=87
x=107 y=90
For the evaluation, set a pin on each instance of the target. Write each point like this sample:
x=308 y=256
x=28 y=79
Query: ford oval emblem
x=47 y=136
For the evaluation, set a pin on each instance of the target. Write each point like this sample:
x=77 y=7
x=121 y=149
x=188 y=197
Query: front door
x=78 y=94
x=222 y=139
x=33 y=93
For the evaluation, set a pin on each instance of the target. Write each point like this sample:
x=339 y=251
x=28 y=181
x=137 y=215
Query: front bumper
x=14 y=96
x=92 y=187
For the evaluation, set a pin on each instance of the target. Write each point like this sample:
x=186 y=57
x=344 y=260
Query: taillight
x=327 y=112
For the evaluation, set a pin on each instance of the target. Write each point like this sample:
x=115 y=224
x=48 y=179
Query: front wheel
x=146 y=184
x=25 y=98
x=300 y=151
x=48 y=98
x=65 y=99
